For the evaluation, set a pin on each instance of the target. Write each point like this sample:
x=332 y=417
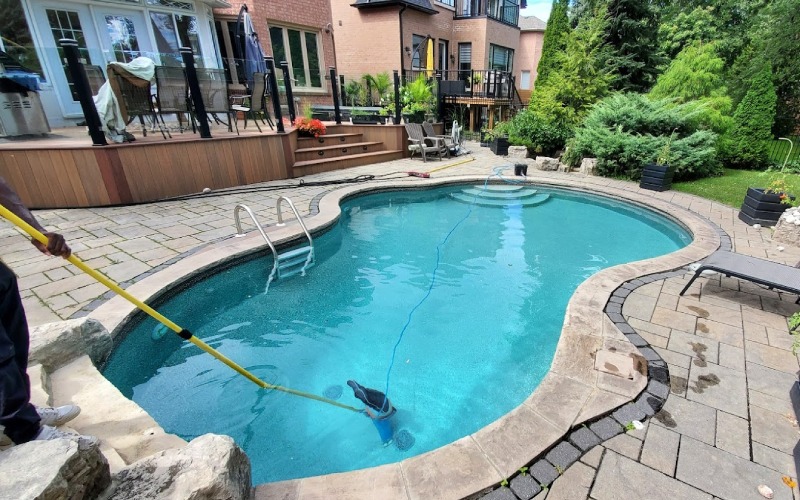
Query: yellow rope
x=164 y=320
x=452 y=165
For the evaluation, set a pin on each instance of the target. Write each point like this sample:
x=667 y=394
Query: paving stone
x=639 y=306
x=688 y=418
x=573 y=484
x=699 y=348
x=525 y=487
x=624 y=445
x=660 y=450
x=649 y=354
x=775 y=430
x=777 y=359
x=500 y=494
x=606 y=428
x=125 y=270
x=731 y=357
x=777 y=405
x=648 y=404
x=673 y=319
x=640 y=325
x=780 y=462
x=637 y=340
x=543 y=471
x=657 y=389
x=620 y=477
x=592 y=457
x=768 y=381
x=651 y=340
x=781 y=339
x=768 y=319
x=674 y=358
x=755 y=332
x=679 y=381
x=628 y=414
x=723 y=474
x=719 y=387
x=707 y=311
x=584 y=438
x=563 y=455
x=721 y=332
x=733 y=434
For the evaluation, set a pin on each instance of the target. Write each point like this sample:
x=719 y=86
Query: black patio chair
x=172 y=95
x=214 y=90
x=138 y=102
x=253 y=104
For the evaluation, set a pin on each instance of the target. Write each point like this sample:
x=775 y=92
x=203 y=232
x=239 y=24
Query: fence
x=779 y=149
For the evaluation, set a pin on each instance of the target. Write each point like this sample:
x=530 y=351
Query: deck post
x=341 y=90
x=287 y=82
x=337 y=112
x=84 y=91
x=273 y=90
x=396 y=98
x=439 y=100
x=194 y=90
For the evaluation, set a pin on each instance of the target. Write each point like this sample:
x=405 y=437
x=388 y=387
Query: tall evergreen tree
x=555 y=40
x=745 y=145
x=632 y=37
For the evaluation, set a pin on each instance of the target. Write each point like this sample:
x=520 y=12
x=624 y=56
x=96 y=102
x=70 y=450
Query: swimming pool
x=475 y=349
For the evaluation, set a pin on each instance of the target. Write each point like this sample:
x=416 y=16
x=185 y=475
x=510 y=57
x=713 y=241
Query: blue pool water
x=473 y=350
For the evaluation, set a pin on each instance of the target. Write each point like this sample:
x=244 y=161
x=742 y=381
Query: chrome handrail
x=310 y=257
x=240 y=233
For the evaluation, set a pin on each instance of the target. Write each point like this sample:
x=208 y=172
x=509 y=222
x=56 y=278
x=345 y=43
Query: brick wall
x=366 y=41
x=530 y=51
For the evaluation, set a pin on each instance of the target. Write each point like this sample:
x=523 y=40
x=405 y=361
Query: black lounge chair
x=764 y=272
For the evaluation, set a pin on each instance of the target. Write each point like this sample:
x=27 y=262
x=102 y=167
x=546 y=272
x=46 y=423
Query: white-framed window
x=500 y=58
x=525 y=80
x=302 y=50
x=173 y=31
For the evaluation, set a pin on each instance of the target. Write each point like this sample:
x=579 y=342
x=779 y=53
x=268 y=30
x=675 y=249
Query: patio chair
x=418 y=143
x=95 y=76
x=764 y=272
x=214 y=90
x=253 y=104
x=172 y=95
x=450 y=141
x=134 y=95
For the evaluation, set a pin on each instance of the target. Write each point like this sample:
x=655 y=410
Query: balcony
x=504 y=11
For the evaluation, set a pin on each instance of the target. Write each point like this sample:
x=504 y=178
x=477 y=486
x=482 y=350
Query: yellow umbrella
x=429 y=62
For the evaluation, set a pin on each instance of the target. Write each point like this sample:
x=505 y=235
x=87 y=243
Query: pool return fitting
x=181 y=332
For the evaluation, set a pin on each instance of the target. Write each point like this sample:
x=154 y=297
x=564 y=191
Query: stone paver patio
x=728 y=425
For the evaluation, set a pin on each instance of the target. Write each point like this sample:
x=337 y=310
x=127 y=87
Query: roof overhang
x=217 y=4
x=372 y=4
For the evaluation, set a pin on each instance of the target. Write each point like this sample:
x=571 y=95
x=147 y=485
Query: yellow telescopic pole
x=184 y=334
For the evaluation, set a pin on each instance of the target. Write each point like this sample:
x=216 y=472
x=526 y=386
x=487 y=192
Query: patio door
x=66 y=20
x=123 y=34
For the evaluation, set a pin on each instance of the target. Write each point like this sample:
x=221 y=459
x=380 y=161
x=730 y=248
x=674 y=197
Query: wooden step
x=328 y=140
x=337 y=163
x=346 y=149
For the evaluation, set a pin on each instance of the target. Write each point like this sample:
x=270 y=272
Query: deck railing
x=484 y=83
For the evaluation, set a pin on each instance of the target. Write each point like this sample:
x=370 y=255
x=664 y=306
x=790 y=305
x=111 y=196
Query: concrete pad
x=620 y=477
x=725 y=475
x=385 y=481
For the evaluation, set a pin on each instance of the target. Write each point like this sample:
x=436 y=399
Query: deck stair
x=501 y=196
x=338 y=149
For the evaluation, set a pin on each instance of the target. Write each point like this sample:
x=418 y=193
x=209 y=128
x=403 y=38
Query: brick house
x=531 y=38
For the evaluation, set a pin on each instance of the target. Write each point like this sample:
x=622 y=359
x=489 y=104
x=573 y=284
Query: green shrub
x=745 y=145
x=540 y=135
x=627 y=131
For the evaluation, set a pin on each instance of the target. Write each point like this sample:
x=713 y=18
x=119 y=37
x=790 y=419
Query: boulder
x=517 y=152
x=547 y=164
x=209 y=467
x=56 y=344
x=55 y=469
x=588 y=166
x=787 y=230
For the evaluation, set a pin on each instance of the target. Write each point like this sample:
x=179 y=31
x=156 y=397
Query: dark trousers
x=17 y=414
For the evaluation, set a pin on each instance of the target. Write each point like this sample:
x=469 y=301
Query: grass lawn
x=731 y=187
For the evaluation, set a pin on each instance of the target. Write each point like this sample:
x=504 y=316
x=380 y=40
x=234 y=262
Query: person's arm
x=55 y=242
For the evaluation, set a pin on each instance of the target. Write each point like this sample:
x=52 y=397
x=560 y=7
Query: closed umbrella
x=429 y=58
x=249 y=46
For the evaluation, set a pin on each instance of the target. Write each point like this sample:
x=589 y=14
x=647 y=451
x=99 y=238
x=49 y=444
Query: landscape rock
x=547 y=164
x=517 y=152
x=588 y=166
x=50 y=470
x=209 y=467
x=56 y=344
x=788 y=228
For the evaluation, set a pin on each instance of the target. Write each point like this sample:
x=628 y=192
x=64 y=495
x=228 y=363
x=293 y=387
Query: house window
x=230 y=50
x=500 y=58
x=525 y=80
x=418 y=60
x=470 y=8
x=449 y=3
x=464 y=60
x=67 y=24
x=15 y=38
x=122 y=33
x=506 y=11
x=443 y=54
x=301 y=50
x=172 y=4
x=173 y=31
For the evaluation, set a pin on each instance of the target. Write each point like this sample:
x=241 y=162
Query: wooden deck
x=64 y=170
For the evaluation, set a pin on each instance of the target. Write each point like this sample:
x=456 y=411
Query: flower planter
x=762 y=208
x=657 y=177
x=415 y=117
x=499 y=146
x=484 y=139
x=367 y=119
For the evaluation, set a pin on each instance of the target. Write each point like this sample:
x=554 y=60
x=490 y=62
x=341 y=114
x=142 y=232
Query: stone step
x=500 y=187
x=328 y=140
x=345 y=149
x=510 y=202
x=357 y=160
x=499 y=195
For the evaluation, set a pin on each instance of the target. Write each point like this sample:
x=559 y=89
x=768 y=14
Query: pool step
x=295 y=261
x=528 y=201
x=500 y=187
x=499 y=194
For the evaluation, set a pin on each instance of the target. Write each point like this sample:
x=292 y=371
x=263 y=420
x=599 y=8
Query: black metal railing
x=485 y=83
x=505 y=11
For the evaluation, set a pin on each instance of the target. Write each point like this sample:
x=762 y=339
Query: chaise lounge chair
x=763 y=272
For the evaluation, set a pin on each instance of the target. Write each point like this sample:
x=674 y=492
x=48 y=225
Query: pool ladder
x=288 y=263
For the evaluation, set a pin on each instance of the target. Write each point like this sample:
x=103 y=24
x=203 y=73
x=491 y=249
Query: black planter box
x=657 y=177
x=499 y=146
x=762 y=208
x=415 y=117
x=484 y=139
x=367 y=119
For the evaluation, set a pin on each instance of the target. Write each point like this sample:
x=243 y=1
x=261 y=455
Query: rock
x=209 y=467
x=787 y=231
x=53 y=470
x=563 y=167
x=547 y=164
x=588 y=166
x=517 y=152
x=56 y=344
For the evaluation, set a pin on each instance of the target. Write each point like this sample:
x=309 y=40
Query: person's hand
x=56 y=245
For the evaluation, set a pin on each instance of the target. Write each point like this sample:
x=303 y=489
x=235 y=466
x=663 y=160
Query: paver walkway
x=728 y=425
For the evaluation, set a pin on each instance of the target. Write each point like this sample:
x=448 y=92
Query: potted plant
x=658 y=176
x=498 y=138
x=472 y=80
x=364 y=117
x=765 y=205
x=309 y=127
x=417 y=99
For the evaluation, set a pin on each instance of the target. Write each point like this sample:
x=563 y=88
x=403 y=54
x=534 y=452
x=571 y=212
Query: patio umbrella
x=429 y=58
x=250 y=47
